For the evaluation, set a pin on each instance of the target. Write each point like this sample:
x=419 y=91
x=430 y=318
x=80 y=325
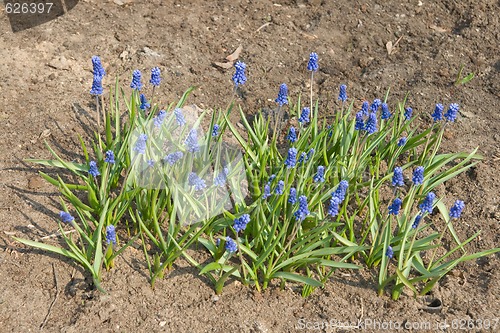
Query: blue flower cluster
x=292 y=197
x=109 y=157
x=179 y=117
x=195 y=181
x=140 y=144
x=456 y=209
x=160 y=118
x=66 y=217
x=304 y=116
x=426 y=205
x=136 y=80
x=338 y=196
x=280 y=189
x=291 y=159
x=303 y=210
x=241 y=222
x=389 y=252
x=192 y=141
x=144 y=103
x=173 y=157
x=239 y=77
x=155 y=77
x=320 y=175
x=397 y=178
x=93 y=170
x=231 y=245
x=221 y=178
x=312 y=65
x=343 y=93
x=292 y=135
x=418 y=175
x=99 y=73
x=395 y=206
x=215 y=130
x=386 y=114
x=282 y=95
x=110 y=234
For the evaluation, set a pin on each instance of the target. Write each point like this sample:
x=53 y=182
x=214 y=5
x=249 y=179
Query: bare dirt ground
x=44 y=90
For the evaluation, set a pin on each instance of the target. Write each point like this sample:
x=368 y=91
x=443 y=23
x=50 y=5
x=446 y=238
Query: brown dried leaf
x=225 y=65
x=436 y=28
x=389 y=48
x=235 y=55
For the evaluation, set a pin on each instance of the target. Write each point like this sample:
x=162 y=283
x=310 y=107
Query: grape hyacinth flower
x=140 y=144
x=320 y=175
x=196 y=182
x=371 y=123
x=402 y=141
x=426 y=205
x=110 y=234
x=282 y=95
x=96 y=86
x=291 y=159
x=312 y=65
x=333 y=209
x=239 y=77
x=343 y=93
x=155 y=77
x=109 y=157
x=217 y=242
x=173 y=157
x=280 y=188
x=456 y=209
x=98 y=70
x=365 y=107
x=451 y=114
x=418 y=175
x=158 y=120
x=438 y=112
x=389 y=252
x=303 y=211
x=341 y=190
x=93 y=171
x=221 y=178
x=303 y=157
x=386 y=114
x=231 y=245
x=375 y=105
x=416 y=222
x=292 y=197
x=304 y=116
x=292 y=135
x=360 y=124
x=397 y=178
x=192 y=141
x=144 y=103
x=215 y=130
x=179 y=117
x=66 y=217
x=136 y=80
x=408 y=113
x=267 y=191
x=271 y=178
x=395 y=206
x=241 y=222
x=151 y=163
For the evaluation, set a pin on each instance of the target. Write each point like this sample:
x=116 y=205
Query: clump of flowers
x=312 y=197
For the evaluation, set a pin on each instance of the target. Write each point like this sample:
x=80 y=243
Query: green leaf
x=297 y=278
